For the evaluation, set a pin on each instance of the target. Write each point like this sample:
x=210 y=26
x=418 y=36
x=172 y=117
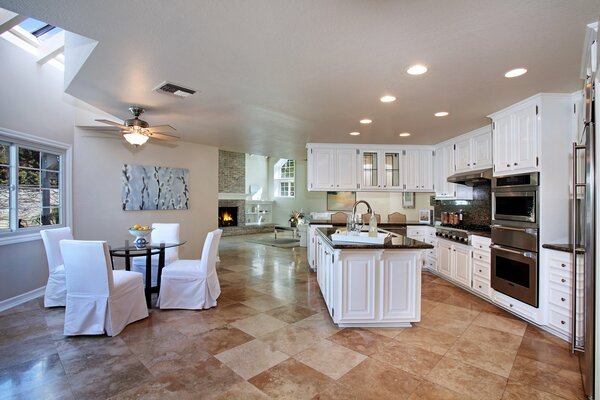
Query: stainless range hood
x=472 y=178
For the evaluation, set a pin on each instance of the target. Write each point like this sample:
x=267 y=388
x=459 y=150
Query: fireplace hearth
x=228 y=216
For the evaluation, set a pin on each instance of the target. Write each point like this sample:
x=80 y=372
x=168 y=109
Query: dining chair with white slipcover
x=192 y=284
x=161 y=232
x=99 y=300
x=56 y=291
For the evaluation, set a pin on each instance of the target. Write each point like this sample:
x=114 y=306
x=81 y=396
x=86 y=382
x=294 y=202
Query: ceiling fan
x=137 y=131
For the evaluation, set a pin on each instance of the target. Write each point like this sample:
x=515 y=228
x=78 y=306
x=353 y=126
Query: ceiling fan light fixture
x=136 y=139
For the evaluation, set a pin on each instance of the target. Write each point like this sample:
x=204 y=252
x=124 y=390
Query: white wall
x=257 y=173
x=32 y=101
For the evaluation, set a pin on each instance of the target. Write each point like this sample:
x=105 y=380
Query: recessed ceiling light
x=441 y=114
x=404 y=134
x=354 y=133
x=387 y=99
x=513 y=73
x=365 y=121
x=417 y=69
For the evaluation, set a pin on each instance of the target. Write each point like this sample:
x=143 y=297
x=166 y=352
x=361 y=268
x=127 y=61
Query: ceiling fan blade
x=99 y=128
x=161 y=128
x=162 y=136
x=106 y=121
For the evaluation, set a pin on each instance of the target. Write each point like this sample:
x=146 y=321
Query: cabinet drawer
x=481 y=286
x=480 y=243
x=517 y=307
x=431 y=264
x=479 y=255
x=560 y=296
x=481 y=269
x=559 y=320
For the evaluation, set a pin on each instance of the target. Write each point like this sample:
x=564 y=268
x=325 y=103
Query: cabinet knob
x=479 y=286
x=331 y=185
x=563 y=299
x=563 y=265
x=516 y=163
x=563 y=280
x=338 y=185
x=474 y=163
x=468 y=165
x=563 y=322
x=479 y=256
x=508 y=165
x=510 y=305
x=480 y=271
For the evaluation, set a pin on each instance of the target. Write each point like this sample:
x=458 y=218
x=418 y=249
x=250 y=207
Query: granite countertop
x=397 y=242
x=381 y=224
x=567 y=248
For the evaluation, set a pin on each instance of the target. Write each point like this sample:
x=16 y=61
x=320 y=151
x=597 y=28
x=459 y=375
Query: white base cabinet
x=370 y=288
x=454 y=262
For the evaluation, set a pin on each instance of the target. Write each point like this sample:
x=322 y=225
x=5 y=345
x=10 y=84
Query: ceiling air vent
x=174 y=90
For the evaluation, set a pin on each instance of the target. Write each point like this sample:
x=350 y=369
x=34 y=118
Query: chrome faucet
x=353 y=225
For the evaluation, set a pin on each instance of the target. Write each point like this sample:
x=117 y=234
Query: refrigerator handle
x=574 y=239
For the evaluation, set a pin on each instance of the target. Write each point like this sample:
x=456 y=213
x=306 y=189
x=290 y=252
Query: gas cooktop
x=458 y=233
x=485 y=228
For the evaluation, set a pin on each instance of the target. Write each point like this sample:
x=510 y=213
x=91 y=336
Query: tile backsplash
x=475 y=212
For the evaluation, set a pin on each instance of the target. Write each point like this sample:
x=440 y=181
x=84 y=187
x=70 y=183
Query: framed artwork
x=408 y=200
x=340 y=201
x=154 y=188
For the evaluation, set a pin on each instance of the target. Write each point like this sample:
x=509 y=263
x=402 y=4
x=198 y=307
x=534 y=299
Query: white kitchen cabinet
x=560 y=294
x=515 y=141
x=418 y=170
x=332 y=169
x=481 y=265
x=444 y=167
x=358 y=286
x=474 y=153
x=445 y=258
x=312 y=245
x=454 y=262
x=381 y=170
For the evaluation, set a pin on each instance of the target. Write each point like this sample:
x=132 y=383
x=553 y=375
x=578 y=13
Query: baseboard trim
x=22 y=298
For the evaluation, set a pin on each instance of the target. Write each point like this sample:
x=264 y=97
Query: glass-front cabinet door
x=370 y=170
x=392 y=173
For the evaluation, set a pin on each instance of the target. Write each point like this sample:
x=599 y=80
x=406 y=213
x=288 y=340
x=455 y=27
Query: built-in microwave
x=515 y=199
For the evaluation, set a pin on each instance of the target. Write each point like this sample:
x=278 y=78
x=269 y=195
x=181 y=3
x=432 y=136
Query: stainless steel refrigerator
x=584 y=219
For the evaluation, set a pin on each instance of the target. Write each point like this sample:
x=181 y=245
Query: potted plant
x=295 y=217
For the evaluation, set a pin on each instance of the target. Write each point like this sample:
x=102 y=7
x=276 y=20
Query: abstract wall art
x=154 y=188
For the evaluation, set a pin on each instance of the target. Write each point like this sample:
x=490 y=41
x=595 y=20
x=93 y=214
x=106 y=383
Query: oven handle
x=527 y=254
x=530 y=231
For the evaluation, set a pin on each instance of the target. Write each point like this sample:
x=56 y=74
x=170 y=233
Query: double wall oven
x=515 y=226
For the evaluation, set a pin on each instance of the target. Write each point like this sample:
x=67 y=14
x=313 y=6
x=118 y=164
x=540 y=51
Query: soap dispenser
x=373 y=226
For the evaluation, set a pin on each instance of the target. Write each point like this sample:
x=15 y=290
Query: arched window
x=285 y=178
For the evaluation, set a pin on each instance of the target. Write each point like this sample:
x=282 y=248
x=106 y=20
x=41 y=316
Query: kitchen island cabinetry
x=370 y=285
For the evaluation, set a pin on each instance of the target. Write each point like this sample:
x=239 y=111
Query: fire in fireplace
x=228 y=216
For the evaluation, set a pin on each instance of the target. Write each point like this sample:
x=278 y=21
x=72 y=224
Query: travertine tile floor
x=270 y=337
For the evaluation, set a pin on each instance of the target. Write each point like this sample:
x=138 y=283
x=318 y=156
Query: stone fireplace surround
x=242 y=229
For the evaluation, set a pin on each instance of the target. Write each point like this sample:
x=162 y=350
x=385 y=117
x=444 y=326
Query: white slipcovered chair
x=162 y=232
x=99 y=300
x=56 y=291
x=192 y=284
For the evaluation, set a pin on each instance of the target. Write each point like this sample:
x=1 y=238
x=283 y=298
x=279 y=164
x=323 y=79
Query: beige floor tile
x=426 y=339
x=431 y=391
x=360 y=340
x=453 y=312
x=330 y=359
x=221 y=339
x=252 y=358
x=493 y=321
x=549 y=353
x=519 y=391
x=449 y=326
x=376 y=380
x=291 y=313
x=548 y=378
x=291 y=339
x=472 y=382
x=411 y=359
x=478 y=353
x=321 y=324
x=259 y=325
x=387 y=332
x=291 y=380
x=264 y=303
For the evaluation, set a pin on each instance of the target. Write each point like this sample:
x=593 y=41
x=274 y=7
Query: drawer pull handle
x=563 y=299
x=510 y=305
x=563 y=322
x=563 y=280
x=480 y=271
x=563 y=265
x=479 y=286
x=479 y=256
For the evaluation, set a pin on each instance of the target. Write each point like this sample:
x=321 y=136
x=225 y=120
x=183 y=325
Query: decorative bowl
x=140 y=236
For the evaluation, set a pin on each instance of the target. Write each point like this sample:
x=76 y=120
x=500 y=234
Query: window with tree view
x=30 y=187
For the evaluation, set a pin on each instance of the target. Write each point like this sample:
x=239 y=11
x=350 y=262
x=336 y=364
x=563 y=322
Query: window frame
x=277 y=177
x=45 y=145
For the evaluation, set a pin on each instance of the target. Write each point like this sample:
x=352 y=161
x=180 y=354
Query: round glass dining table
x=127 y=250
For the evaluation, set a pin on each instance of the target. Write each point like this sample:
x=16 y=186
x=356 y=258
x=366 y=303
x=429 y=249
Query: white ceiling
x=275 y=74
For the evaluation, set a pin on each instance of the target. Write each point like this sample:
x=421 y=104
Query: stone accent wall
x=476 y=212
x=232 y=172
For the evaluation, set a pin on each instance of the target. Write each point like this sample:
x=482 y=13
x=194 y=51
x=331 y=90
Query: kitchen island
x=366 y=285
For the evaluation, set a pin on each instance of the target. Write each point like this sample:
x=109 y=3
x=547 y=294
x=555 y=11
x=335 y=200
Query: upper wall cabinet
x=332 y=169
x=474 y=153
x=444 y=167
x=516 y=138
x=418 y=170
x=380 y=170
